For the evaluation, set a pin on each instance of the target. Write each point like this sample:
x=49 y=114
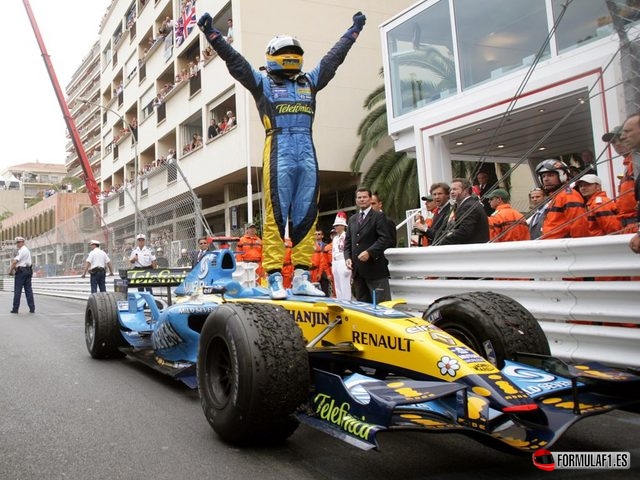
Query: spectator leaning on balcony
x=96 y=264
x=566 y=214
x=506 y=224
x=631 y=138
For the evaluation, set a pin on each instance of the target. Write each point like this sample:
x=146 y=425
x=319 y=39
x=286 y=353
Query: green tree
x=393 y=174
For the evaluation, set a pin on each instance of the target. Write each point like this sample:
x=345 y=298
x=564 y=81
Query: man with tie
x=366 y=239
x=483 y=190
x=537 y=199
x=468 y=222
x=203 y=246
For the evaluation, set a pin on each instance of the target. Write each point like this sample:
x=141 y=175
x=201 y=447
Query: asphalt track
x=66 y=416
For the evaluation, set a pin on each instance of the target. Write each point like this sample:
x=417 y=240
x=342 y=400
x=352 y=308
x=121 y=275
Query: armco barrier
x=548 y=278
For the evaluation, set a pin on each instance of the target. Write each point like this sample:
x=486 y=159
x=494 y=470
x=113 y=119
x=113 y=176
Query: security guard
x=97 y=263
x=21 y=267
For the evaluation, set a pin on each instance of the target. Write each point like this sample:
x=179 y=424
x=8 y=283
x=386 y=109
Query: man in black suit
x=468 y=222
x=376 y=204
x=366 y=239
x=440 y=193
x=483 y=190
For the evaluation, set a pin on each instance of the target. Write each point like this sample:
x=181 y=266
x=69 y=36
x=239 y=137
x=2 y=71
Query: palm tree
x=394 y=175
x=389 y=170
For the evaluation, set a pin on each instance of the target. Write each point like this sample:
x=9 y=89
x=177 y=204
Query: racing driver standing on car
x=286 y=100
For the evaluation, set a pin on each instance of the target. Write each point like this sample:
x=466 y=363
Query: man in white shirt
x=97 y=263
x=142 y=257
x=21 y=267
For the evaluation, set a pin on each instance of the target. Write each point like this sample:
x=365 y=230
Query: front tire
x=101 y=326
x=494 y=325
x=253 y=372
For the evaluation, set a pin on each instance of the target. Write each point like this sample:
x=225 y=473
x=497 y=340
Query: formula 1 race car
x=477 y=363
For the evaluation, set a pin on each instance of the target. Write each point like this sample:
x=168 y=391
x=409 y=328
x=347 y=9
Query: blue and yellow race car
x=476 y=363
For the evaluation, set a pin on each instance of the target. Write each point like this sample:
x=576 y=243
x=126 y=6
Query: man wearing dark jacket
x=366 y=239
x=440 y=193
x=467 y=222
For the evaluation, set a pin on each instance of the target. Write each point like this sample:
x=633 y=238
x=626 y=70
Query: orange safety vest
x=565 y=216
x=626 y=201
x=249 y=249
x=318 y=262
x=287 y=266
x=603 y=216
x=507 y=219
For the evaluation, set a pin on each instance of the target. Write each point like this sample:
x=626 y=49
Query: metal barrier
x=545 y=276
x=559 y=281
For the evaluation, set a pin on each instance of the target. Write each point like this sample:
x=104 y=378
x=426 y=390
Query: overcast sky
x=33 y=126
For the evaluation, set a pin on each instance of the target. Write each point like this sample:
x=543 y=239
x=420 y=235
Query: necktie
x=452 y=214
x=361 y=218
x=200 y=255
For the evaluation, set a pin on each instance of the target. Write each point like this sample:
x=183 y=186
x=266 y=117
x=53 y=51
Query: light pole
x=134 y=135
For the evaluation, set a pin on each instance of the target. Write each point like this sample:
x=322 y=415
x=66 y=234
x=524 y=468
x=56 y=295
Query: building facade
x=160 y=89
x=532 y=79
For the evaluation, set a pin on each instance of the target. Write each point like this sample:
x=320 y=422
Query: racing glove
x=206 y=25
x=359 y=20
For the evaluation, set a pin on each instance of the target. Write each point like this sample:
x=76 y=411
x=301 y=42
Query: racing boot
x=302 y=284
x=276 y=289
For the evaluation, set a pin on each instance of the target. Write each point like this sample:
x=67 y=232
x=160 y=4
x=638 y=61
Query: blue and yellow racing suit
x=287 y=107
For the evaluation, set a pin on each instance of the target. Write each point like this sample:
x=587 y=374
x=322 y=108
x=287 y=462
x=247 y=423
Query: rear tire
x=253 y=373
x=101 y=326
x=493 y=325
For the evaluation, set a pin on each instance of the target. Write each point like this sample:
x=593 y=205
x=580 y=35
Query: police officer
x=21 y=267
x=97 y=263
x=142 y=257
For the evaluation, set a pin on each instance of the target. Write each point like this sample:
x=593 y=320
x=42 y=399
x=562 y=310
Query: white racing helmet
x=284 y=55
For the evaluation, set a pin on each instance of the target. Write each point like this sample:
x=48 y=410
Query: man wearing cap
x=22 y=268
x=602 y=216
x=626 y=200
x=424 y=221
x=96 y=264
x=506 y=224
x=341 y=274
x=141 y=255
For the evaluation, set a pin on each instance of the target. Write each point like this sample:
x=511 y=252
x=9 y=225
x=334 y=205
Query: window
x=421 y=59
x=492 y=44
x=580 y=25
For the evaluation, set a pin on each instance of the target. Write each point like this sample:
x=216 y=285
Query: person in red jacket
x=506 y=224
x=603 y=216
x=565 y=215
x=287 y=266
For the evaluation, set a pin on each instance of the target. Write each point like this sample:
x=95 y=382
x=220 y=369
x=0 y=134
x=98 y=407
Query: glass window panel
x=583 y=22
x=498 y=36
x=421 y=59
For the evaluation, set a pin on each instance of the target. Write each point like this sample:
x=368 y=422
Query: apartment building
x=159 y=88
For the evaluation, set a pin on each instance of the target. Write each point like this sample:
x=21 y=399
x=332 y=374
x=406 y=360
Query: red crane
x=90 y=181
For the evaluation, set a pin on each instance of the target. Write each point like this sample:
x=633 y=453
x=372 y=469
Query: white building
x=138 y=63
x=463 y=82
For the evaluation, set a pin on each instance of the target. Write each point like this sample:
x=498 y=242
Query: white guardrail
x=545 y=276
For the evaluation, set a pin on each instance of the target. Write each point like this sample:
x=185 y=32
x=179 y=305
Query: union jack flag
x=189 y=19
